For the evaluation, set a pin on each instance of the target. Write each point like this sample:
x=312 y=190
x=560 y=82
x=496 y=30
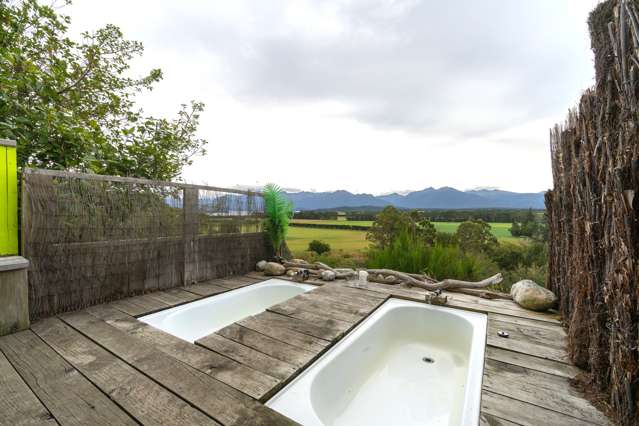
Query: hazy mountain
x=327 y=200
x=429 y=198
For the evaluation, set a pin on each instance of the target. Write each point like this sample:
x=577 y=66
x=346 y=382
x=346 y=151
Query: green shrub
x=319 y=247
x=279 y=212
x=335 y=258
x=409 y=254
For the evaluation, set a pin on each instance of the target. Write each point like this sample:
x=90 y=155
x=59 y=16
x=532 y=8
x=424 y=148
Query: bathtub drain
x=428 y=360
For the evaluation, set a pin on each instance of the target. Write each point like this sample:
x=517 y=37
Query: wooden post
x=14 y=294
x=8 y=198
x=191 y=229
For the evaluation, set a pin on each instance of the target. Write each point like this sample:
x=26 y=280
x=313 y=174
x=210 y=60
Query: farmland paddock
x=592 y=211
x=94 y=238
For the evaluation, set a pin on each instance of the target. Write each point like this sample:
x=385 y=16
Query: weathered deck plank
x=315 y=318
x=248 y=356
x=222 y=402
x=535 y=363
x=504 y=307
x=319 y=307
x=539 y=342
x=540 y=389
x=205 y=289
x=144 y=399
x=267 y=345
x=490 y=420
x=68 y=396
x=18 y=404
x=236 y=282
x=523 y=413
x=174 y=296
x=157 y=378
x=292 y=337
x=226 y=370
x=140 y=305
x=299 y=325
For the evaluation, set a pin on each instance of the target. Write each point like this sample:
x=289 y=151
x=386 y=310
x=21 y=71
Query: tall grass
x=408 y=254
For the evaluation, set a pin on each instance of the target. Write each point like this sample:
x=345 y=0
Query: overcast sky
x=369 y=96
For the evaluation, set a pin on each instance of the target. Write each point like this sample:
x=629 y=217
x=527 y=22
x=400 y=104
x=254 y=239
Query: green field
x=349 y=240
x=499 y=230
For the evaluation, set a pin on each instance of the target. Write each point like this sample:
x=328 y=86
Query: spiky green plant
x=279 y=212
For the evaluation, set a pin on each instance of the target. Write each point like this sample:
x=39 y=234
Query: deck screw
x=502 y=333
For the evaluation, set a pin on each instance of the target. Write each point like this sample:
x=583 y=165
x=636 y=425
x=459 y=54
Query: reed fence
x=593 y=211
x=93 y=238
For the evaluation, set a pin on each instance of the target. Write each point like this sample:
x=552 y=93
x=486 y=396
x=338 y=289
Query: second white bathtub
x=203 y=317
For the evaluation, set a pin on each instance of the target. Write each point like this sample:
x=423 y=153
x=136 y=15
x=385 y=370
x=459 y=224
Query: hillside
x=429 y=198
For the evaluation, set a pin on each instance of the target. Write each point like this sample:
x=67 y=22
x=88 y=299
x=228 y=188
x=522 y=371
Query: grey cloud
x=463 y=68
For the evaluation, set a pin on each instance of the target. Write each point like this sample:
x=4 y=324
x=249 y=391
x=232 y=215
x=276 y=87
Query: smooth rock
x=274 y=269
x=261 y=265
x=299 y=261
x=328 y=275
x=530 y=295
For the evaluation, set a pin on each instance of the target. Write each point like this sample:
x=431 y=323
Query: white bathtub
x=409 y=363
x=205 y=316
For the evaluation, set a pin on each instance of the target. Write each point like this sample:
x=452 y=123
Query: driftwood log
x=389 y=276
x=427 y=283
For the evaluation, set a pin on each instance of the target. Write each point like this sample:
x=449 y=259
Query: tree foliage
x=71 y=104
x=279 y=212
x=319 y=247
x=475 y=236
x=530 y=226
x=390 y=222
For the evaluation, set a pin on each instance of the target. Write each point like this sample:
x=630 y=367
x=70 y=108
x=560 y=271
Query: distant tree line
x=487 y=215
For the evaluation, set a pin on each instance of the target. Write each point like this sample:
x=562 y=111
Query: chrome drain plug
x=428 y=360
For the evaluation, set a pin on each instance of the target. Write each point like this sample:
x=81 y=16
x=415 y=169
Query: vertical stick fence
x=93 y=238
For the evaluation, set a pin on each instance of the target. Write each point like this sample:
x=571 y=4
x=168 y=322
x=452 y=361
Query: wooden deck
x=103 y=366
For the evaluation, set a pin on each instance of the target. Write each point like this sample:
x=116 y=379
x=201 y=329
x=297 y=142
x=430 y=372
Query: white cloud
x=367 y=96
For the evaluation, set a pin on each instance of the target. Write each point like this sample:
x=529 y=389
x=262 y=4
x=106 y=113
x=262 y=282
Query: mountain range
x=429 y=198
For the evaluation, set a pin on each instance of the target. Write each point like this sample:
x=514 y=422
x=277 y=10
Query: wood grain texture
x=535 y=363
x=144 y=399
x=222 y=402
x=490 y=420
x=174 y=296
x=286 y=335
x=70 y=398
x=18 y=404
x=226 y=370
x=318 y=307
x=140 y=305
x=540 y=389
x=205 y=289
x=301 y=326
x=267 y=345
x=248 y=356
x=539 y=342
x=325 y=321
x=523 y=413
x=236 y=282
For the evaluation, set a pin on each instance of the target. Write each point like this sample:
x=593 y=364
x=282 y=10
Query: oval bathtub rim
x=478 y=320
x=234 y=291
x=155 y=319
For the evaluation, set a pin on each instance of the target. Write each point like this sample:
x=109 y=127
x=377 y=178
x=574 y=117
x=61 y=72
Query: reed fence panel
x=94 y=238
x=593 y=212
